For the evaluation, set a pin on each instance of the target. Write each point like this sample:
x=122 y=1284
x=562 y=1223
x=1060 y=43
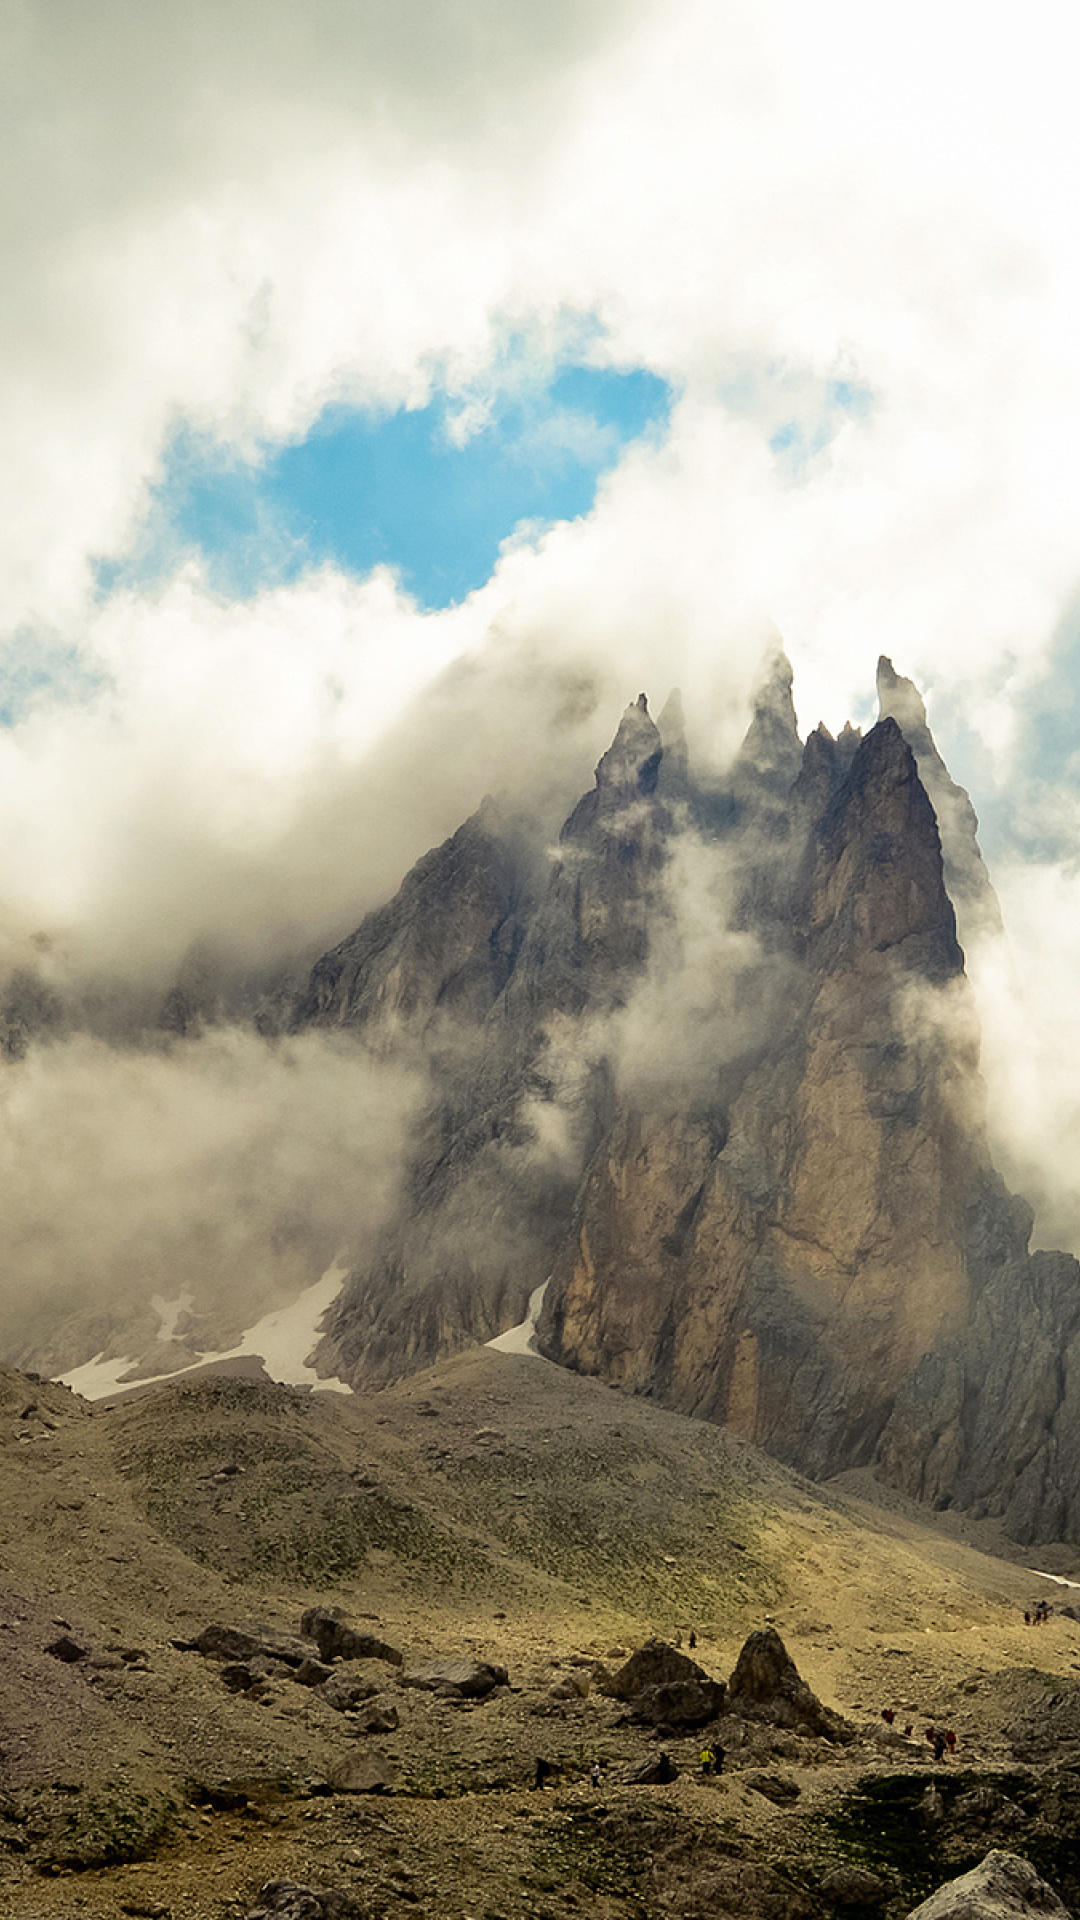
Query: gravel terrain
x=493 y=1509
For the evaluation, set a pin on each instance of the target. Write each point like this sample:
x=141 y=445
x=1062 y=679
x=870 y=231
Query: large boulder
x=458 y=1679
x=657 y=1772
x=656 y=1664
x=336 y=1641
x=679 y=1703
x=1001 y=1887
x=365 y=1771
x=766 y=1685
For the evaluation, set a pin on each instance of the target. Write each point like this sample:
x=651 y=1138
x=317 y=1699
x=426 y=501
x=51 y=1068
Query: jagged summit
x=969 y=884
x=771 y=753
x=629 y=769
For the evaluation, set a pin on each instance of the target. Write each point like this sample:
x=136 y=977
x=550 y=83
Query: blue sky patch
x=432 y=493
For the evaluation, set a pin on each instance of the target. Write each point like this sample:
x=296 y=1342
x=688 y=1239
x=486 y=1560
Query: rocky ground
x=496 y=1510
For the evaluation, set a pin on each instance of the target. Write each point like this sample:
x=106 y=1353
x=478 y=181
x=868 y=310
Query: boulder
x=225 y=1643
x=679 y=1703
x=312 y=1673
x=343 y=1691
x=573 y=1686
x=365 y=1772
x=286 y=1900
x=1002 y=1887
x=380 y=1717
x=458 y=1679
x=653 y=1773
x=336 y=1641
x=656 y=1664
x=777 y=1787
x=766 y=1685
x=848 y=1886
x=67 y=1649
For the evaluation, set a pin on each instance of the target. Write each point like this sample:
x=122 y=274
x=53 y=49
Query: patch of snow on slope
x=522 y=1339
x=282 y=1340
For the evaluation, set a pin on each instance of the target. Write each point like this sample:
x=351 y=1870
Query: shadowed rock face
x=713 y=1073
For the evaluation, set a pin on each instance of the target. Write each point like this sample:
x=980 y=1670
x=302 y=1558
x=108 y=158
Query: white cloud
x=230 y=217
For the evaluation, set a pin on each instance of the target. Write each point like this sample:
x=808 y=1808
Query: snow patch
x=1058 y=1579
x=522 y=1339
x=282 y=1340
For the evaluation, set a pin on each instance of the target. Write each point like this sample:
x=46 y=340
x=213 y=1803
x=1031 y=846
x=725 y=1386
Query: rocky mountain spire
x=771 y=753
x=977 y=910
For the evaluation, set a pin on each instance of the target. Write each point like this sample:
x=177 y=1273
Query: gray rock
x=777 y=1787
x=365 y=1771
x=659 y=1772
x=681 y=1703
x=344 y=1691
x=226 y=1643
x=287 y=1900
x=656 y=1664
x=67 y=1649
x=458 y=1679
x=336 y=1641
x=766 y=1685
x=379 y=1717
x=848 y=1886
x=1002 y=1887
x=312 y=1673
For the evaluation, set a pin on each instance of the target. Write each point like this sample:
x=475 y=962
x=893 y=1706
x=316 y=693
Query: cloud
x=223 y=1169
x=832 y=230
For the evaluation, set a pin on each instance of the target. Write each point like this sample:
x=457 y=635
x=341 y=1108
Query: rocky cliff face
x=714 y=1076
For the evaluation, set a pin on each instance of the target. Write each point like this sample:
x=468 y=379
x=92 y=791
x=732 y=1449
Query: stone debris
x=1002 y=1887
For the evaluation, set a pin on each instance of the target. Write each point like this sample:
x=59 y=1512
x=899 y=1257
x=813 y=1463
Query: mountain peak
x=628 y=771
x=772 y=750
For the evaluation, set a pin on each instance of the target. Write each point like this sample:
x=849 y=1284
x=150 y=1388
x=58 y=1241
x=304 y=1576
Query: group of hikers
x=943 y=1740
x=1038 y=1615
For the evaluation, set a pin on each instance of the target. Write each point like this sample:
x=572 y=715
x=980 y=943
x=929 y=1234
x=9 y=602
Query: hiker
x=950 y=1740
x=708 y=1759
x=693 y=1639
x=1027 y=1616
x=939 y=1746
x=596 y=1773
x=545 y=1770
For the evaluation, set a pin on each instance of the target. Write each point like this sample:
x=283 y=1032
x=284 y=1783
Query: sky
x=388 y=394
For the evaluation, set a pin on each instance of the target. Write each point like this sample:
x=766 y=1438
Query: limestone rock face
x=782 y=1257
x=712 y=1073
x=1002 y=1887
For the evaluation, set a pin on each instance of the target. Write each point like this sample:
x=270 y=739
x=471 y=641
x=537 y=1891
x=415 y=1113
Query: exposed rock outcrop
x=1003 y=1887
x=767 y=1685
x=666 y=1688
